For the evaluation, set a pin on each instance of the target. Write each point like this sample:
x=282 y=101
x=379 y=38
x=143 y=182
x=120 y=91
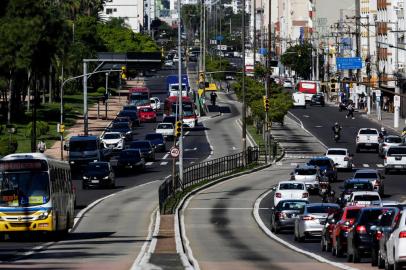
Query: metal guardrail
x=206 y=172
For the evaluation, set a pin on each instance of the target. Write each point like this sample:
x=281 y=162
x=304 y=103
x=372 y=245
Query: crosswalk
x=361 y=165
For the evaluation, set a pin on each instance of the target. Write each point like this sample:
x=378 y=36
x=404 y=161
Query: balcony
x=381 y=4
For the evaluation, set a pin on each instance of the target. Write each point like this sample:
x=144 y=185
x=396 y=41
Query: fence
x=207 y=171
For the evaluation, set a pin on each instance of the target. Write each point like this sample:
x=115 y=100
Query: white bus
x=36 y=194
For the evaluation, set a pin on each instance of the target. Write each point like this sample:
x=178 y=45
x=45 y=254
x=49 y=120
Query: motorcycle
x=330 y=197
x=336 y=137
x=324 y=186
x=342 y=106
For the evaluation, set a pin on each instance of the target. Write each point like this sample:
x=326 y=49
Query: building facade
x=131 y=10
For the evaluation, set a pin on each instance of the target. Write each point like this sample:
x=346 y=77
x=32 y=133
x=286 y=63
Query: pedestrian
x=213 y=97
x=350 y=109
x=41 y=146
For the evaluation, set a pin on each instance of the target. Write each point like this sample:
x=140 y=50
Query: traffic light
x=178 y=129
x=123 y=72
x=62 y=128
x=266 y=103
x=332 y=87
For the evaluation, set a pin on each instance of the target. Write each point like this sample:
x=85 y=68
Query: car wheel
x=276 y=229
x=84 y=186
x=339 y=250
x=387 y=265
x=349 y=257
x=381 y=262
x=356 y=258
x=387 y=171
x=397 y=266
x=357 y=150
x=322 y=244
x=374 y=257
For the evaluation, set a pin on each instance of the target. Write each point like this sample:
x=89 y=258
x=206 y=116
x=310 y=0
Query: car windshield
x=352 y=213
x=285 y=186
x=337 y=152
x=397 y=151
x=154 y=136
x=97 y=168
x=366 y=175
x=109 y=136
x=140 y=145
x=130 y=114
x=320 y=162
x=370 y=216
x=24 y=188
x=146 y=110
x=387 y=217
x=393 y=140
x=291 y=205
x=80 y=146
x=120 y=125
x=305 y=171
x=366 y=198
x=365 y=186
x=130 y=108
x=129 y=153
x=165 y=126
x=368 y=132
x=321 y=208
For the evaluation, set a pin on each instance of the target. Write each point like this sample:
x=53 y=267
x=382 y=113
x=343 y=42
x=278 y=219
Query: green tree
x=298 y=58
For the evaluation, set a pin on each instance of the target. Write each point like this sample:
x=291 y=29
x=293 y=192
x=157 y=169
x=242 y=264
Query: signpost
x=174 y=152
x=344 y=63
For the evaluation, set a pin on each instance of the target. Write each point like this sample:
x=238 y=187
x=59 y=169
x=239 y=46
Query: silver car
x=388 y=141
x=308 y=174
x=311 y=221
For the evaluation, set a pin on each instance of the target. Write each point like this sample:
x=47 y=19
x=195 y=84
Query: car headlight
x=85 y=177
x=106 y=177
x=72 y=162
x=150 y=152
x=44 y=215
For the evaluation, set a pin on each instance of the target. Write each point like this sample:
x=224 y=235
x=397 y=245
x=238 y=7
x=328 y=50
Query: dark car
x=123 y=119
x=169 y=119
x=283 y=215
x=381 y=234
x=351 y=185
x=130 y=158
x=145 y=147
x=98 y=174
x=359 y=240
x=327 y=233
x=157 y=140
x=133 y=115
x=326 y=166
x=122 y=127
x=317 y=99
x=130 y=108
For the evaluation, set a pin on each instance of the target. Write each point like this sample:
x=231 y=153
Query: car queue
x=357 y=223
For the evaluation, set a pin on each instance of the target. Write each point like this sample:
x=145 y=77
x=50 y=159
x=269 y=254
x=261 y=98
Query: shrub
x=42 y=128
x=8 y=146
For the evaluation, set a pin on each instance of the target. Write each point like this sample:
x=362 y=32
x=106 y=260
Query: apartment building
x=131 y=10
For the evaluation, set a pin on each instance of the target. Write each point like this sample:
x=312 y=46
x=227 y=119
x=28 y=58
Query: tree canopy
x=298 y=58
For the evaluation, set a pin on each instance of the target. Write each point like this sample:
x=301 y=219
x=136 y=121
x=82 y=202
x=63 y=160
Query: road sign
x=174 y=152
x=396 y=101
x=378 y=93
x=220 y=38
x=213 y=42
x=349 y=63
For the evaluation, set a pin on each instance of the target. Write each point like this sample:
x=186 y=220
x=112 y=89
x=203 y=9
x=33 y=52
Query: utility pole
x=397 y=89
x=268 y=76
x=244 y=105
x=254 y=36
x=180 y=110
x=368 y=69
x=358 y=34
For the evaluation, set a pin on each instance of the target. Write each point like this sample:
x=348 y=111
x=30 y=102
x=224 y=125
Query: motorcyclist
x=382 y=133
x=336 y=129
x=330 y=197
x=213 y=97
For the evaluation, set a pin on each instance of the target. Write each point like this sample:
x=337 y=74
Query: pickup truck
x=367 y=138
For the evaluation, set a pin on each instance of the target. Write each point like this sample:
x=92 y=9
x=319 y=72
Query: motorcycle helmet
x=336 y=123
x=382 y=129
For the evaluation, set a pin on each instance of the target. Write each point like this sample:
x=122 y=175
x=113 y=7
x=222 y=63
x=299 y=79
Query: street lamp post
x=244 y=105
x=106 y=96
x=180 y=116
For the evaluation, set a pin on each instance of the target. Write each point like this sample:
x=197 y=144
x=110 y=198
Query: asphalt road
x=196 y=149
x=218 y=221
x=318 y=120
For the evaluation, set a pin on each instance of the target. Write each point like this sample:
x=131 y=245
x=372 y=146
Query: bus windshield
x=25 y=188
x=80 y=146
x=139 y=98
x=187 y=109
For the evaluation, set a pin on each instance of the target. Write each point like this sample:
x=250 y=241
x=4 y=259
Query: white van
x=395 y=158
x=299 y=99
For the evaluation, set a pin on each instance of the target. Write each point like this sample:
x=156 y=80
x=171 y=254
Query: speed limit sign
x=174 y=152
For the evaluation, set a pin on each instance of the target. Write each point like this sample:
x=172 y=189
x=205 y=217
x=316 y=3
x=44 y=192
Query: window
x=109 y=11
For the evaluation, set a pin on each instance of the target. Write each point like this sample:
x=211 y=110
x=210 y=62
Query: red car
x=340 y=229
x=147 y=114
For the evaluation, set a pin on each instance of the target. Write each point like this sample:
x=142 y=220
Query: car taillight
x=344 y=228
x=378 y=235
x=307 y=218
x=402 y=234
x=305 y=195
x=384 y=144
x=361 y=229
x=278 y=195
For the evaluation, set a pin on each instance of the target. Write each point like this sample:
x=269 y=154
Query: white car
x=388 y=141
x=367 y=138
x=290 y=190
x=168 y=63
x=309 y=175
x=299 y=100
x=341 y=157
x=166 y=129
x=113 y=140
x=311 y=221
x=363 y=198
x=287 y=84
x=396 y=244
x=395 y=159
x=155 y=103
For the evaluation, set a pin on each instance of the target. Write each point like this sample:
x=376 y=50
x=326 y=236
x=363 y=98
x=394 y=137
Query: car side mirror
x=373 y=228
x=274 y=188
x=272 y=208
x=331 y=221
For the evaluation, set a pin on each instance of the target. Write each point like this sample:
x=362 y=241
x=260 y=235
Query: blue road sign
x=348 y=63
x=220 y=38
x=263 y=51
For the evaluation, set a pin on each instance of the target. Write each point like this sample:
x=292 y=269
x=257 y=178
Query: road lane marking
x=318 y=126
x=166 y=155
x=365 y=165
x=187 y=133
x=380 y=165
x=149 y=163
x=163 y=163
x=268 y=232
x=306 y=116
x=225 y=208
